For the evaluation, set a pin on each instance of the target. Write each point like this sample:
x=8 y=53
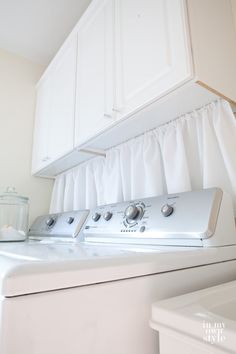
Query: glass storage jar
x=14 y=215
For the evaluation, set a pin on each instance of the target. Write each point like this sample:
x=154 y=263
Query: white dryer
x=93 y=294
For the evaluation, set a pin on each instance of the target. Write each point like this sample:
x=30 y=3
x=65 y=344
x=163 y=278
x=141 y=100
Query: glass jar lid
x=12 y=196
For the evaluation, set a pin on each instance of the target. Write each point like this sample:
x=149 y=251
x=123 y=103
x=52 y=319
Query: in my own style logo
x=214 y=332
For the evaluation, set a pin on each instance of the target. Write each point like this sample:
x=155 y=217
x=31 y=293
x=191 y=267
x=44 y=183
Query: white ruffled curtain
x=192 y=152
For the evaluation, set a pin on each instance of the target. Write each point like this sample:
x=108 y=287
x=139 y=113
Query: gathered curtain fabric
x=195 y=151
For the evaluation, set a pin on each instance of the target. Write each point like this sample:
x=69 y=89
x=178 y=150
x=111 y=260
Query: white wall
x=18 y=77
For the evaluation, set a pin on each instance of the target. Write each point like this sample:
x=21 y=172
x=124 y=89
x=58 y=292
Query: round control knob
x=132 y=212
x=70 y=220
x=50 y=222
x=107 y=216
x=96 y=217
x=167 y=210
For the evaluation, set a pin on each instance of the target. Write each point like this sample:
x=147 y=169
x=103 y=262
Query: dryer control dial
x=50 y=222
x=107 y=216
x=132 y=212
x=167 y=210
x=96 y=217
x=70 y=220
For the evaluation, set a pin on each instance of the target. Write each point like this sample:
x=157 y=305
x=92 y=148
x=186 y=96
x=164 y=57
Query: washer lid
x=205 y=318
x=35 y=267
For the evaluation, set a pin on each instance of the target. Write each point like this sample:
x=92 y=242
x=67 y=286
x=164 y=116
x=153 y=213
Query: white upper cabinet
x=55 y=109
x=95 y=87
x=41 y=126
x=61 y=122
x=152 y=54
x=130 y=52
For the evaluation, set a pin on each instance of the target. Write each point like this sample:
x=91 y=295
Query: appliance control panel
x=183 y=215
x=66 y=225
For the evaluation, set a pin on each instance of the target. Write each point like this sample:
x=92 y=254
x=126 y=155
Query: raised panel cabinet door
x=40 y=156
x=94 y=95
x=63 y=101
x=152 y=50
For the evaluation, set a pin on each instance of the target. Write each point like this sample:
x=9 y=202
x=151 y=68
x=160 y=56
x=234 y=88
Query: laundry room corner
x=118 y=177
x=17 y=91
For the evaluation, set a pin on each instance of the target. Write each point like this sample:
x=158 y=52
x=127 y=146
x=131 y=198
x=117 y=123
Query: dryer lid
x=28 y=268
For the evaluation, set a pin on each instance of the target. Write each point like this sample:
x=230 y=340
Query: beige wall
x=234 y=10
x=17 y=103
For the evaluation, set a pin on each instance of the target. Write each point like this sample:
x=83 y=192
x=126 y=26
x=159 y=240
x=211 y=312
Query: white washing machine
x=93 y=294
